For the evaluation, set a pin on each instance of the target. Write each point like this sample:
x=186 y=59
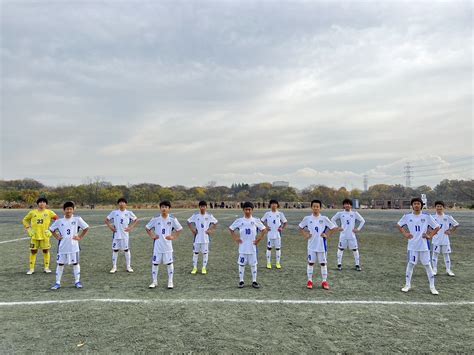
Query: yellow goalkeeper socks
x=47 y=258
x=32 y=261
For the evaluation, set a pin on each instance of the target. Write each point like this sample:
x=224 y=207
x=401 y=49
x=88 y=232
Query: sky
x=188 y=92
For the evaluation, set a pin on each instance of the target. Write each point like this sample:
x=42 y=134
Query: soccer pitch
x=362 y=312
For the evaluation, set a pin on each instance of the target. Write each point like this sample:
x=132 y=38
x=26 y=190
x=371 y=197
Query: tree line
x=23 y=193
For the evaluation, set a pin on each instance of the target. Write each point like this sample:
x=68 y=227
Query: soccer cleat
x=406 y=288
x=278 y=265
x=203 y=271
x=450 y=273
x=194 y=271
x=152 y=285
x=255 y=284
x=435 y=271
x=30 y=272
x=56 y=287
x=325 y=285
x=358 y=268
x=269 y=265
x=129 y=269
x=434 y=291
x=241 y=284
x=47 y=271
x=170 y=285
x=339 y=267
x=78 y=284
x=309 y=284
x=113 y=270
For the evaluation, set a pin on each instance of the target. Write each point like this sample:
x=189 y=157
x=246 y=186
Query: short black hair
x=273 y=201
x=42 y=199
x=416 y=199
x=247 y=205
x=122 y=199
x=317 y=201
x=165 y=203
x=202 y=203
x=68 y=204
x=439 y=202
x=347 y=200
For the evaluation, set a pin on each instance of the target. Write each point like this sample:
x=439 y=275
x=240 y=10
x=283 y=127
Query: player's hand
x=427 y=236
x=307 y=235
x=76 y=237
x=408 y=235
x=170 y=237
x=448 y=232
x=48 y=233
x=128 y=229
x=240 y=241
x=156 y=237
x=31 y=232
x=280 y=229
x=256 y=241
x=340 y=229
x=113 y=229
x=324 y=235
x=355 y=230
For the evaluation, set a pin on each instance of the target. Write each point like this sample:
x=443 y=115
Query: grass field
x=208 y=313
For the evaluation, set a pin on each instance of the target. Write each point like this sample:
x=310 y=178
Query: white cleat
x=170 y=284
x=450 y=273
x=152 y=285
x=113 y=270
x=406 y=288
x=129 y=269
x=434 y=291
x=30 y=272
x=47 y=271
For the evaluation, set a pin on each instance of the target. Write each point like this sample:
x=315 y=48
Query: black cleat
x=255 y=284
x=358 y=268
x=339 y=267
x=241 y=284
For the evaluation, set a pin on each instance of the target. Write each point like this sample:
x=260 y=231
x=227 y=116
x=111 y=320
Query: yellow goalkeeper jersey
x=39 y=221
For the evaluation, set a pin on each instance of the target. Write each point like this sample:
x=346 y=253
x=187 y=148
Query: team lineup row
x=417 y=227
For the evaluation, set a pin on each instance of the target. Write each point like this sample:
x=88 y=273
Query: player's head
x=273 y=204
x=416 y=203
x=122 y=202
x=439 y=205
x=316 y=206
x=165 y=206
x=68 y=208
x=347 y=204
x=248 y=208
x=42 y=202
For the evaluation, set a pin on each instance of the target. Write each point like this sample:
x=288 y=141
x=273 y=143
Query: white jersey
x=163 y=227
x=68 y=228
x=418 y=226
x=274 y=220
x=316 y=226
x=202 y=223
x=348 y=222
x=121 y=220
x=445 y=222
x=248 y=229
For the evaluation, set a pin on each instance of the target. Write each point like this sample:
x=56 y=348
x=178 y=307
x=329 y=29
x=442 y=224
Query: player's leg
x=76 y=268
x=156 y=261
x=115 y=252
x=170 y=267
x=205 y=257
x=278 y=252
x=425 y=261
x=33 y=253
x=128 y=254
x=412 y=260
x=242 y=261
x=434 y=258
x=310 y=268
x=59 y=271
x=195 y=258
x=324 y=270
x=45 y=245
x=447 y=260
x=269 y=253
x=253 y=267
x=340 y=252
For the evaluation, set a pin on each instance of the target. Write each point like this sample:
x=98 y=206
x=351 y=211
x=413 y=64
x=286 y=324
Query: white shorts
x=274 y=243
x=120 y=244
x=444 y=249
x=162 y=258
x=247 y=259
x=422 y=256
x=348 y=243
x=68 y=259
x=314 y=256
x=201 y=247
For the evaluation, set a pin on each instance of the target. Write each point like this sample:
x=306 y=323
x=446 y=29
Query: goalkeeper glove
x=48 y=233
x=31 y=233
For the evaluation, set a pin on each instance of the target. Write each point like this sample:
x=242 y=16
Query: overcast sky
x=188 y=92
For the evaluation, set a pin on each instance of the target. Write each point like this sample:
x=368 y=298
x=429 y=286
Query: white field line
x=93 y=227
x=239 y=301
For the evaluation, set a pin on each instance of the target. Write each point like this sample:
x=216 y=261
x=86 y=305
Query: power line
x=435 y=168
x=450 y=162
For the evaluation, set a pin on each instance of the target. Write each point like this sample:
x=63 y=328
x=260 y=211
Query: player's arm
x=451 y=230
x=193 y=228
x=110 y=225
x=235 y=236
x=404 y=232
x=305 y=233
x=82 y=234
x=212 y=229
x=174 y=234
x=27 y=225
x=151 y=233
x=334 y=221
x=132 y=226
x=262 y=235
x=361 y=223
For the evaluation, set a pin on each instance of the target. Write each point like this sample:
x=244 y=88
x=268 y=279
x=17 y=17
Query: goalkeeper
x=36 y=224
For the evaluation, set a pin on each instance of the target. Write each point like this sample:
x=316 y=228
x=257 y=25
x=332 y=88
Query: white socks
x=254 y=273
x=195 y=260
x=409 y=274
x=205 y=259
x=59 y=273
x=447 y=261
x=154 y=273
x=278 y=255
x=114 y=258
x=128 y=258
x=340 y=253
x=309 y=270
x=434 y=260
x=170 y=272
x=269 y=256
x=357 y=257
x=241 y=272
x=429 y=272
x=77 y=272
x=324 y=272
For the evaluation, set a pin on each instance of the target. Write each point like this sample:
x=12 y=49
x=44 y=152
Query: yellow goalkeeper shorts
x=36 y=244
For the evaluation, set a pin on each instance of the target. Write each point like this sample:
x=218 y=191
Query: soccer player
x=163 y=229
x=416 y=232
x=275 y=221
x=316 y=229
x=248 y=240
x=66 y=231
x=121 y=222
x=36 y=224
x=202 y=225
x=441 y=240
x=348 y=238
